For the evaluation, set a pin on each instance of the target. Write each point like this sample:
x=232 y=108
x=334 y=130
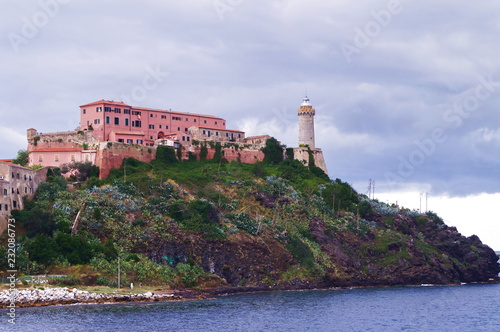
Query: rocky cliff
x=215 y=224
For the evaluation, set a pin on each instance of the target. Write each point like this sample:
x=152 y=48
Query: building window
x=136 y=113
x=178 y=128
x=139 y=141
x=204 y=132
x=107 y=120
x=0 y=207
x=127 y=122
x=30 y=178
x=17 y=191
x=25 y=177
x=18 y=176
x=239 y=135
x=151 y=126
x=40 y=158
x=72 y=157
x=136 y=123
x=184 y=138
x=163 y=116
x=5 y=192
x=107 y=109
x=25 y=190
x=208 y=133
x=118 y=110
x=166 y=127
x=227 y=134
x=98 y=109
x=151 y=115
x=120 y=140
x=150 y=137
x=194 y=120
x=14 y=204
x=159 y=126
x=188 y=138
x=97 y=121
x=204 y=121
x=117 y=121
x=187 y=119
x=6 y=207
x=130 y=141
x=126 y=111
x=84 y=111
x=215 y=122
x=56 y=157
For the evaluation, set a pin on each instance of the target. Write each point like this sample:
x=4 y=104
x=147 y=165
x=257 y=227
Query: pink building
x=119 y=122
x=59 y=156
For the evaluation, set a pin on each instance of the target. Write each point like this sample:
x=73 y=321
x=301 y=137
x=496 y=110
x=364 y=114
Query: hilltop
x=276 y=224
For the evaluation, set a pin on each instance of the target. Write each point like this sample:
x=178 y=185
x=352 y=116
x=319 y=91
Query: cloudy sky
x=406 y=92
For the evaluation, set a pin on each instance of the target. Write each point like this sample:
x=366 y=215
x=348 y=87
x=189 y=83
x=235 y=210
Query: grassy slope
x=207 y=224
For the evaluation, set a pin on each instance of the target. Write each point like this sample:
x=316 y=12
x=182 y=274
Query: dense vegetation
x=210 y=222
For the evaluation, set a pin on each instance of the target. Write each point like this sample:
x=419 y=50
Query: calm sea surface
x=428 y=308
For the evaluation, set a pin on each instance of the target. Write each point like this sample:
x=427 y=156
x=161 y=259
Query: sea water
x=472 y=307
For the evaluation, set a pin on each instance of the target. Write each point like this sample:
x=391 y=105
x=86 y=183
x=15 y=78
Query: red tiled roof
x=119 y=103
x=15 y=165
x=180 y=113
x=102 y=101
x=58 y=150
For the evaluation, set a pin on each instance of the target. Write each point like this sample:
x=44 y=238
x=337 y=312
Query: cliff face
x=404 y=254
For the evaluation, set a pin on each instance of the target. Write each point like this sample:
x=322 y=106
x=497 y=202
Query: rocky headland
x=232 y=227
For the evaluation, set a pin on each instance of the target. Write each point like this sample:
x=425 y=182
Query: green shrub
x=166 y=154
x=189 y=274
x=203 y=152
x=273 y=152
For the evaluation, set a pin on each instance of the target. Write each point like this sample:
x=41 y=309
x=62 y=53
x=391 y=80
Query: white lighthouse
x=306 y=124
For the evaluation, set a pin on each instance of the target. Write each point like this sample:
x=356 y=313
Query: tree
x=22 y=158
x=273 y=152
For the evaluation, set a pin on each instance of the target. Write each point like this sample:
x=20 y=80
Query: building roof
x=102 y=101
x=175 y=112
x=219 y=129
x=58 y=150
x=306 y=102
x=14 y=165
x=119 y=103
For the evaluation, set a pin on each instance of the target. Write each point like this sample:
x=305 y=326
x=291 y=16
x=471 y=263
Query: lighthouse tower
x=306 y=124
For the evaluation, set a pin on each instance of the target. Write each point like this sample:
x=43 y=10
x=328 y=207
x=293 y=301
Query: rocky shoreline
x=65 y=296
x=59 y=296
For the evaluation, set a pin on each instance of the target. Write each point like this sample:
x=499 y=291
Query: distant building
x=306 y=115
x=110 y=131
x=119 y=122
x=16 y=183
x=307 y=147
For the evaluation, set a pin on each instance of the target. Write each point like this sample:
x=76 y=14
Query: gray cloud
x=252 y=63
